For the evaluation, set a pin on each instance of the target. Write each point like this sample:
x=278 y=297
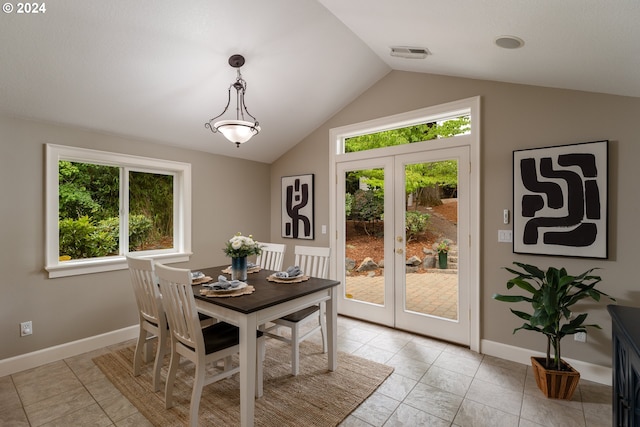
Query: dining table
x=270 y=300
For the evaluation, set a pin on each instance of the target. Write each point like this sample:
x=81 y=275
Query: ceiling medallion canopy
x=236 y=130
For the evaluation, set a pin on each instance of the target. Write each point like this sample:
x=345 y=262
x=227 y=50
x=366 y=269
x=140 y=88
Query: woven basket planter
x=555 y=384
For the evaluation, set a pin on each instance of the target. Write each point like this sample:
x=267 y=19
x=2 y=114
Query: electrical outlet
x=26 y=328
x=580 y=336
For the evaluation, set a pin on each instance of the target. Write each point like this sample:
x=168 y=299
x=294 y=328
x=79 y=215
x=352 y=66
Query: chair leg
x=295 y=350
x=171 y=377
x=157 y=365
x=137 y=355
x=196 y=393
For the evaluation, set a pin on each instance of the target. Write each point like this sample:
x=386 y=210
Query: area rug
x=315 y=397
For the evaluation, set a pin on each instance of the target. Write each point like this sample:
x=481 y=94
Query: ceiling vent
x=409 y=52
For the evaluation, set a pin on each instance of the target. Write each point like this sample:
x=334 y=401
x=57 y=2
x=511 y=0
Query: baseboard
x=588 y=371
x=47 y=355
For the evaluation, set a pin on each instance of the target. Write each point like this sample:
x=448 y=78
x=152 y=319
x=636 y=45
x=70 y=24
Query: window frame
x=181 y=172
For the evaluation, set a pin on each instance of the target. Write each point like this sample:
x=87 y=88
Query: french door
x=382 y=206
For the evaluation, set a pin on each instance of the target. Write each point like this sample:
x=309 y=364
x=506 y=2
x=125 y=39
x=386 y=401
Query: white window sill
x=76 y=268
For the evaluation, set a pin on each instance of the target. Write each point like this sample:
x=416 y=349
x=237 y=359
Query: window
x=436 y=129
x=101 y=206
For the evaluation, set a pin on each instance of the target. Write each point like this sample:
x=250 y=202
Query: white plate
x=287 y=278
x=242 y=285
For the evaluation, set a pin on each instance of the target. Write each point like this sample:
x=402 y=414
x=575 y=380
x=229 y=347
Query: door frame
x=469 y=106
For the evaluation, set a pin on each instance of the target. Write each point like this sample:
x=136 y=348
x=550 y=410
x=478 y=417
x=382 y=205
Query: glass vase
x=239 y=268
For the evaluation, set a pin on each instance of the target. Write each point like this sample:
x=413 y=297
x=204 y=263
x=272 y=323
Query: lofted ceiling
x=157 y=70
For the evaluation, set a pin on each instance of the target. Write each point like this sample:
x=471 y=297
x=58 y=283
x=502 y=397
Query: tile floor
x=434 y=384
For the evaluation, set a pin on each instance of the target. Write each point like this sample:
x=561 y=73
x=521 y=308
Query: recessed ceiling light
x=410 y=52
x=509 y=42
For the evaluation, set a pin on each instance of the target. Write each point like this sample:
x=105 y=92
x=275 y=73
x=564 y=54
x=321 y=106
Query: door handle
x=399 y=251
x=399 y=238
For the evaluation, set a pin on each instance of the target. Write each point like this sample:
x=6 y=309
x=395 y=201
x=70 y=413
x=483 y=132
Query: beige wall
x=228 y=194
x=513 y=117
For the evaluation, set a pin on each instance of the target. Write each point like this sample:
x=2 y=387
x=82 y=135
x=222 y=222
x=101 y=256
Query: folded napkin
x=223 y=284
x=251 y=265
x=293 y=271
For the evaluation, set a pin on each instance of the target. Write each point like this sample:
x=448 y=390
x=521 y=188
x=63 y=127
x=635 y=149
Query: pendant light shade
x=239 y=130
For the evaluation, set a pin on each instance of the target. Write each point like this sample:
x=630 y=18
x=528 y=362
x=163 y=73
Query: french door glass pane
x=431 y=211
x=364 y=243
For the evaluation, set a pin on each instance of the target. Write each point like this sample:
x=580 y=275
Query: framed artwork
x=297 y=207
x=560 y=200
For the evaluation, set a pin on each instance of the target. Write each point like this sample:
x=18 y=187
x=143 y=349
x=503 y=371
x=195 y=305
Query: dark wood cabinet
x=626 y=365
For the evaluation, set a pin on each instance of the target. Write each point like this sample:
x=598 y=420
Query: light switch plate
x=505 y=236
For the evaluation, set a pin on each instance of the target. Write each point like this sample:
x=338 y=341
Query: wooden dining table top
x=266 y=293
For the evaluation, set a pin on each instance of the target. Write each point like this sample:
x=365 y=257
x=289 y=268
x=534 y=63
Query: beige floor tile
x=376 y=409
x=495 y=396
x=435 y=401
x=434 y=384
x=450 y=381
x=45 y=381
x=551 y=413
x=505 y=377
x=91 y=415
x=59 y=405
x=118 y=407
x=407 y=415
x=473 y=414
x=135 y=420
x=8 y=395
x=13 y=416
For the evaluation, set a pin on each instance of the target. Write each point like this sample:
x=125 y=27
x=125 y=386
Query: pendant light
x=236 y=130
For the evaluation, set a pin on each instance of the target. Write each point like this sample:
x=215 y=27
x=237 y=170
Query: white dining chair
x=313 y=261
x=218 y=342
x=153 y=323
x=272 y=256
x=151 y=314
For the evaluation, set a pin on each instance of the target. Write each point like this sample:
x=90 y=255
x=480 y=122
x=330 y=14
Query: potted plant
x=551 y=294
x=442 y=248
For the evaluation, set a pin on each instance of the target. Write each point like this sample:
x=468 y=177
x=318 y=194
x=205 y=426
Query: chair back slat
x=313 y=261
x=180 y=306
x=146 y=290
x=272 y=256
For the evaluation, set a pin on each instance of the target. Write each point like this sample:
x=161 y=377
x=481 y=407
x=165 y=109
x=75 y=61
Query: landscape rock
x=349 y=264
x=427 y=251
x=367 y=264
x=429 y=262
x=414 y=261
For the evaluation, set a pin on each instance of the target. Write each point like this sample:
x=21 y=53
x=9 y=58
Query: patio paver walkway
x=433 y=293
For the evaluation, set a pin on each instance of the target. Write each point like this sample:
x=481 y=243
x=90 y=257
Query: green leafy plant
x=415 y=223
x=551 y=295
x=348 y=204
x=443 y=246
x=368 y=207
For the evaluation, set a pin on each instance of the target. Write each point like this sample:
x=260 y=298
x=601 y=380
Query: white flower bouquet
x=241 y=246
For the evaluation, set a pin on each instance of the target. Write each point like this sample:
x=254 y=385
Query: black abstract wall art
x=297 y=207
x=560 y=200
